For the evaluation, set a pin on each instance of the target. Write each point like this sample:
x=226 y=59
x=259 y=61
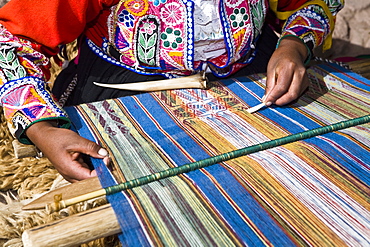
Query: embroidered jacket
x=147 y=36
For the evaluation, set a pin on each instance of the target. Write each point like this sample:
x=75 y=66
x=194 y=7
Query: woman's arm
x=30 y=32
x=304 y=29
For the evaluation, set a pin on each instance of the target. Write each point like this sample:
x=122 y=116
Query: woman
x=138 y=40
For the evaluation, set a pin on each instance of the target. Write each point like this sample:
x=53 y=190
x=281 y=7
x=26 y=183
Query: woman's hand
x=286 y=74
x=64 y=148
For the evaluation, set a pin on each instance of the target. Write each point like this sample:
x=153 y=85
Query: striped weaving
x=308 y=193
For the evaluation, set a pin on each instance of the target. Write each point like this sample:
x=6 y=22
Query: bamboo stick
x=75 y=229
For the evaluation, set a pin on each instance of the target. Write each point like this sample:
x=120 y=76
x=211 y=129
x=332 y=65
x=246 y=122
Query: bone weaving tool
x=193 y=81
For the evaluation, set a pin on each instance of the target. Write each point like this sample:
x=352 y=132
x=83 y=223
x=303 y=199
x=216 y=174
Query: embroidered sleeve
x=313 y=23
x=23 y=94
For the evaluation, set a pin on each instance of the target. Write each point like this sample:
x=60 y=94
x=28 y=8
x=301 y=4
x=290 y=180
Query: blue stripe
x=131 y=229
x=235 y=190
x=347 y=75
x=358 y=171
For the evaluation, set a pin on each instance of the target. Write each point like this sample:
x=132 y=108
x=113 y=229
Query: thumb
x=270 y=85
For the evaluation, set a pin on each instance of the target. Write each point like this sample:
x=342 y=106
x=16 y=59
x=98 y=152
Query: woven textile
x=311 y=192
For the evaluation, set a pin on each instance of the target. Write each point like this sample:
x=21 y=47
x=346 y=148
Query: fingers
x=64 y=148
x=277 y=84
x=296 y=89
x=285 y=85
x=73 y=167
x=286 y=73
x=77 y=171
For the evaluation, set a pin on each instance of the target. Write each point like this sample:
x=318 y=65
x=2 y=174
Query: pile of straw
x=22 y=180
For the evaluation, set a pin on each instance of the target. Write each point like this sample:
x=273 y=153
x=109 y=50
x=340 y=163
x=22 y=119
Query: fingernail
x=268 y=103
x=103 y=152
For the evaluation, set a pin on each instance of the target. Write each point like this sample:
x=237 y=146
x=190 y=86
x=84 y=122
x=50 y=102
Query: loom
x=311 y=192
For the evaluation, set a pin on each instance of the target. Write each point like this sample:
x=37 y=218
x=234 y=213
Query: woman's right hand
x=65 y=148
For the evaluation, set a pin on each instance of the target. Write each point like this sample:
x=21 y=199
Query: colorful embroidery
x=137 y=7
x=165 y=45
x=23 y=95
x=126 y=18
x=171 y=38
x=25 y=101
x=147 y=41
x=172 y=13
x=311 y=24
x=238 y=18
x=163 y=39
x=157 y=2
x=258 y=11
x=307 y=25
x=9 y=62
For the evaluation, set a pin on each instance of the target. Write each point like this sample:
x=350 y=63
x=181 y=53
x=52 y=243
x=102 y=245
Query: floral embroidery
x=126 y=18
x=137 y=7
x=157 y=2
x=172 y=13
x=148 y=27
x=171 y=38
x=22 y=85
x=147 y=41
x=9 y=62
x=233 y=3
x=166 y=43
x=257 y=12
x=239 y=17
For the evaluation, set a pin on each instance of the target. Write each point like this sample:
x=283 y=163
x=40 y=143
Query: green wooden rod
x=59 y=203
x=235 y=154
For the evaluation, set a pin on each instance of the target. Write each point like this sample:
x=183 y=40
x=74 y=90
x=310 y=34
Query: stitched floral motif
x=233 y=3
x=9 y=62
x=257 y=13
x=18 y=58
x=242 y=22
x=147 y=41
x=126 y=18
x=157 y=2
x=171 y=38
x=22 y=80
x=172 y=13
x=137 y=7
x=238 y=18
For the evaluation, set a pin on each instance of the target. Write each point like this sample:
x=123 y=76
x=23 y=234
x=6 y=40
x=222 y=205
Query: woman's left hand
x=286 y=73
